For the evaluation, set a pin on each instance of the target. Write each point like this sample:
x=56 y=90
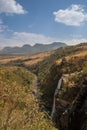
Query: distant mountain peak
x=26 y=45
x=38 y=44
x=28 y=49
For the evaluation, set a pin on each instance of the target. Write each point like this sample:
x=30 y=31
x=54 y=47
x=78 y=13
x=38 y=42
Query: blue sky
x=42 y=21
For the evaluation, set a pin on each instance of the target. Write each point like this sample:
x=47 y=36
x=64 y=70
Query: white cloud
x=10 y=7
x=21 y=38
x=32 y=38
x=75 y=15
x=2 y=26
x=4 y=41
x=75 y=41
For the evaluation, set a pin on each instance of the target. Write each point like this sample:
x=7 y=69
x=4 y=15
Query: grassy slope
x=69 y=60
x=64 y=60
x=19 y=110
x=49 y=70
x=26 y=59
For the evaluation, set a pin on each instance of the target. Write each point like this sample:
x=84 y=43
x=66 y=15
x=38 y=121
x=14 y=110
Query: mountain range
x=28 y=49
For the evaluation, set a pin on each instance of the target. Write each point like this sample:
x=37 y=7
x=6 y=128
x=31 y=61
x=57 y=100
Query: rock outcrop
x=72 y=116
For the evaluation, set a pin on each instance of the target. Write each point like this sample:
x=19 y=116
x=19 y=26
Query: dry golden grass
x=6 y=59
x=83 y=47
x=78 y=55
x=19 y=108
x=31 y=59
x=38 y=57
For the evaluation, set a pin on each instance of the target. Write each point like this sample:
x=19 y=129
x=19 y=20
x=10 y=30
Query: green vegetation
x=49 y=72
x=73 y=61
x=19 y=108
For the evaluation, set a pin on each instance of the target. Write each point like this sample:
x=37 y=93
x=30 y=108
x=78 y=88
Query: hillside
x=27 y=49
x=19 y=108
x=69 y=61
x=26 y=59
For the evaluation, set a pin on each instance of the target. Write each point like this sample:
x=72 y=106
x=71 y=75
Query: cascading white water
x=35 y=87
x=55 y=94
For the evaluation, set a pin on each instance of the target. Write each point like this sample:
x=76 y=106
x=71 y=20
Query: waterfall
x=55 y=94
x=35 y=87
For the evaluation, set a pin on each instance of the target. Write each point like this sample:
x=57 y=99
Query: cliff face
x=72 y=115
